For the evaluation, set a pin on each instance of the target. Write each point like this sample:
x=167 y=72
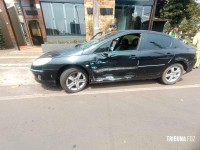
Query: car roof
x=141 y=31
x=153 y=32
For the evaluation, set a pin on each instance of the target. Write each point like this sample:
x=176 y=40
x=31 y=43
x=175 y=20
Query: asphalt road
x=123 y=116
x=138 y=115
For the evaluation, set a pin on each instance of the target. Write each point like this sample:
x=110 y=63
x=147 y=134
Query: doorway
x=35 y=32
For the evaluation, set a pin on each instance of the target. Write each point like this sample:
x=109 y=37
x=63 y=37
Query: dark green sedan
x=117 y=56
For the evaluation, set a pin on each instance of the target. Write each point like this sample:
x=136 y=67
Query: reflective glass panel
x=132 y=17
x=64 y=18
x=59 y=18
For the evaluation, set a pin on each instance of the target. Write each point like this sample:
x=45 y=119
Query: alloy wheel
x=76 y=81
x=173 y=74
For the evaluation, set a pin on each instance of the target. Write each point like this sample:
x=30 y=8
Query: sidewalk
x=15 y=66
x=25 y=55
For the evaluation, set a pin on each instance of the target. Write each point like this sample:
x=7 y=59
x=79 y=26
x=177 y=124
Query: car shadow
x=122 y=84
x=52 y=86
x=57 y=86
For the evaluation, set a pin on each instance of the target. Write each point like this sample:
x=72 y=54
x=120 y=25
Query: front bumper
x=44 y=76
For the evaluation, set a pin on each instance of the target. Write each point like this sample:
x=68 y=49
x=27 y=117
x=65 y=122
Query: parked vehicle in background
x=117 y=56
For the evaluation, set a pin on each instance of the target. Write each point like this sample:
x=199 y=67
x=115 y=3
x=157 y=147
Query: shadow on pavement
x=57 y=87
x=123 y=83
x=51 y=87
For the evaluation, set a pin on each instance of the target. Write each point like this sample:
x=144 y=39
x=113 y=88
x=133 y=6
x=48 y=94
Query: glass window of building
x=132 y=17
x=63 y=19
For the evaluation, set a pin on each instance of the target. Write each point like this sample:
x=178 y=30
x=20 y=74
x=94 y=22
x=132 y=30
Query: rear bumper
x=191 y=65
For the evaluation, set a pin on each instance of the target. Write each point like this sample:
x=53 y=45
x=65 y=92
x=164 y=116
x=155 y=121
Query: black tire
x=76 y=84
x=172 y=74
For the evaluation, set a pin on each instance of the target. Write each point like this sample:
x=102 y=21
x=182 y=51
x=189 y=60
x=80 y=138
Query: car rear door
x=155 y=54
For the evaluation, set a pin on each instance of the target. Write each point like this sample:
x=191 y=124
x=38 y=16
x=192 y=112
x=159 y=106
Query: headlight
x=41 y=61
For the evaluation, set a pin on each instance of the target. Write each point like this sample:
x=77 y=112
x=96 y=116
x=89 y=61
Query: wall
x=34 y=5
x=6 y=22
x=104 y=20
x=41 y=21
x=16 y=26
x=65 y=39
x=6 y=35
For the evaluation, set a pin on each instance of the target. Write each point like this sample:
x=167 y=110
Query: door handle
x=169 y=55
x=132 y=57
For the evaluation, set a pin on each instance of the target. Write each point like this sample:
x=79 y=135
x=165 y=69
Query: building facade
x=65 y=21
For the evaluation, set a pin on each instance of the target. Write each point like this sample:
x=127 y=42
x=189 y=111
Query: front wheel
x=73 y=80
x=172 y=74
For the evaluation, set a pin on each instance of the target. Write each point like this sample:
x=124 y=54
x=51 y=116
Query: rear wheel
x=172 y=74
x=73 y=80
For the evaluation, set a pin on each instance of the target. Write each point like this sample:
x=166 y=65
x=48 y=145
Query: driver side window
x=127 y=42
x=124 y=43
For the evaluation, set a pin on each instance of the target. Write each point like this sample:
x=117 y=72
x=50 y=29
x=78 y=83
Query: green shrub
x=58 y=42
x=67 y=42
x=90 y=27
x=76 y=41
x=2 y=40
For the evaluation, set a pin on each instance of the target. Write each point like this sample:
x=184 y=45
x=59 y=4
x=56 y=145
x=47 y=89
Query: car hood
x=71 y=51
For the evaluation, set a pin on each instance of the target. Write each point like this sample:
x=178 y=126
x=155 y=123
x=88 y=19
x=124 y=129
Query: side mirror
x=105 y=54
x=111 y=49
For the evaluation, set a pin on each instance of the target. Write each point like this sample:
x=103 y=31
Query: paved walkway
x=15 y=66
x=12 y=56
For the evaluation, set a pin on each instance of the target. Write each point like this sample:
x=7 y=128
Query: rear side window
x=178 y=44
x=156 y=41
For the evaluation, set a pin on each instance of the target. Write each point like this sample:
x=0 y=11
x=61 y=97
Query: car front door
x=155 y=54
x=117 y=62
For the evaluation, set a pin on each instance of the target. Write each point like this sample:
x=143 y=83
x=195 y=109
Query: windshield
x=96 y=40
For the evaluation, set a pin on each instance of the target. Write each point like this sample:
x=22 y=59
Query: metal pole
x=153 y=11
x=95 y=17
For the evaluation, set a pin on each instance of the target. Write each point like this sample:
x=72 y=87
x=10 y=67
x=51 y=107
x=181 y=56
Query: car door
x=113 y=63
x=155 y=54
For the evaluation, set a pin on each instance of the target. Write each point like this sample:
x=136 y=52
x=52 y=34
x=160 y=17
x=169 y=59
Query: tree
x=159 y=7
x=187 y=26
x=191 y=25
x=196 y=16
x=177 y=10
x=2 y=41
